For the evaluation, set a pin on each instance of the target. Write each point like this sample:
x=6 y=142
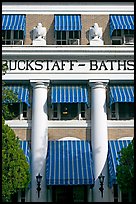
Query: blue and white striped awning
x=22 y=93
x=14 y=22
x=114 y=147
x=69 y=163
x=121 y=94
x=121 y=22
x=69 y=94
x=26 y=149
x=67 y=23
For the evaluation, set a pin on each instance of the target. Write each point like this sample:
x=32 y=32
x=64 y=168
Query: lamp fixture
x=38 y=179
x=101 y=179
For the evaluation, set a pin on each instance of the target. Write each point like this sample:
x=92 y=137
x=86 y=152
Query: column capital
x=40 y=83
x=98 y=83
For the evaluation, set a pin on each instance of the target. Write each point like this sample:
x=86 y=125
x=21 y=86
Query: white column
x=39 y=138
x=99 y=136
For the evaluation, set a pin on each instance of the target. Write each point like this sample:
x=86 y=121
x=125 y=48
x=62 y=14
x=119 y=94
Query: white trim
x=126 y=138
x=66 y=50
x=68 y=7
x=18 y=123
x=80 y=50
x=73 y=76
x=71 y=124
x=68 y=138
x=120 y=124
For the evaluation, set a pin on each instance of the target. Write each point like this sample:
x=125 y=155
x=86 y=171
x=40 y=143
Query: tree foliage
x=7 y=96
x=15 y=168
x=4 y=68
x=125 y=169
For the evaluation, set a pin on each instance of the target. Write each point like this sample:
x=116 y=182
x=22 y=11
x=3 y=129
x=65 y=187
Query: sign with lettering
x=69 y=66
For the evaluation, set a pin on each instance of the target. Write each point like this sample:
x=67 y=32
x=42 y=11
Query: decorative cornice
x=68 y=7
x=50 y=50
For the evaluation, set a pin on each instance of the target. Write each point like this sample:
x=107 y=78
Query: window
x=128 y=37
x=121 y=111
x=67 y=37
x=12 y=37
x=120 y=37
x=82 y=111
x=115 y=191
x=67 y=29
x=14 y=197
x=69 y=193
x=116 y=37
x=120 y=196
x=128 y=196
x=68 y=111
x=55 y=110
x=23 y=195
x=18 y=103
x=19 y=110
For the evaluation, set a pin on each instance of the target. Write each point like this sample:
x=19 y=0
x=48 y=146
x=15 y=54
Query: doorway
x=69 y=193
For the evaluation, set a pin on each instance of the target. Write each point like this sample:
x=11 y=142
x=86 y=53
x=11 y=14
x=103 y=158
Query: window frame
x=115 y=110
x=75 y=193
x=79 y=112
x=121 y=36
x=68 y=40
x=21 y=196
x=22 y=111
x=116 y=193
x=11 y=40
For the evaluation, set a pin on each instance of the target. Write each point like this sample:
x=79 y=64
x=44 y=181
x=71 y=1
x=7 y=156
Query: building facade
x=72 y=68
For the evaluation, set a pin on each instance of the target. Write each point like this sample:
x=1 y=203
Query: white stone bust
x=95 y=32
x=38 y=33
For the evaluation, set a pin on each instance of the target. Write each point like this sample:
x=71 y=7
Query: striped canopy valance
x=121 y=22
x=26 y=149
x=67 y=23
x=69 y=162
x=14 y=22
x=114 y=147
x=124 y=93
x=22 y=93
x=69 y=94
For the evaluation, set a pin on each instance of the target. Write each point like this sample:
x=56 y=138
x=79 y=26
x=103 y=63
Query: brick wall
x=23 y=133
x=57 y=133
x=88 y=21
x=116 y=133
x=48 y=21
x=81 y=133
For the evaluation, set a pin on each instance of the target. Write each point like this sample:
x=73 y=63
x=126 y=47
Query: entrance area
x=69 y=193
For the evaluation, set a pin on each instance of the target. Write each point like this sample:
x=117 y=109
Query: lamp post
x=38 y=179
x=101 y=179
